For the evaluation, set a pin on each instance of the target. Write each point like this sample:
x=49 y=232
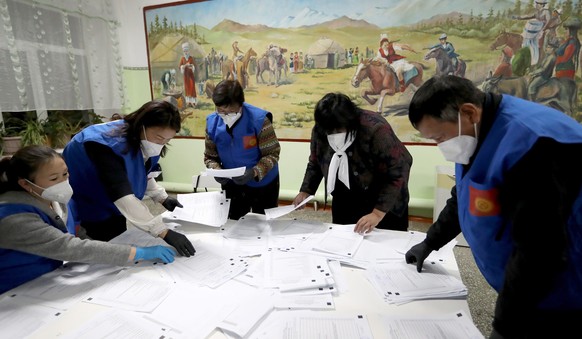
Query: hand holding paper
x=272 y=213
x=225 y=173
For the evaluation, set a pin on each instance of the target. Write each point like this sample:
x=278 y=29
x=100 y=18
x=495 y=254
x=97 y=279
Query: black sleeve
x=447 y=226
x=537 y=198
x=111 y=169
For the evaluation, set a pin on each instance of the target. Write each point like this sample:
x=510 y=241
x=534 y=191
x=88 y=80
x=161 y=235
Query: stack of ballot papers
x=456 y=325
x=207 y=208
x=399 y=283
x=309 y=324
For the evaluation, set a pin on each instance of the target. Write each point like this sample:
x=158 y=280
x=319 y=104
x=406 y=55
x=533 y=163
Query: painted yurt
x=167 y=53
x=327 y=53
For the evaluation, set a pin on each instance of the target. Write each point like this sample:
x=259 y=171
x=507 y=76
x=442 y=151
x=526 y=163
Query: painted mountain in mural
x=227 y=25
x=305 y=17
x=384 y=15
x=343 y=22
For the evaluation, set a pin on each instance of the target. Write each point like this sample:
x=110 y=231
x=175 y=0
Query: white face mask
x=460 y=148
x=61 y=192
x=230 y=118
x=150 y=149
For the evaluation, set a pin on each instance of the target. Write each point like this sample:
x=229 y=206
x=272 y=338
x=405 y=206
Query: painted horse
x=521 y=60
x=513 y=40
x=383 y=80
x=241 y=68
x=558 y=93
x=515 y=86
x=274 y=62
x=444 y=64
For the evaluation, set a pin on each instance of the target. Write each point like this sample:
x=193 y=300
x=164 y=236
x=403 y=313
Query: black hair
x=336 y=111
x=441 y=98
x=228 y=92
x=156 y=113
x=24 y=164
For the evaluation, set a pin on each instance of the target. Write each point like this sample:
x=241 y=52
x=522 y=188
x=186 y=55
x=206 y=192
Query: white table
x=361 y=298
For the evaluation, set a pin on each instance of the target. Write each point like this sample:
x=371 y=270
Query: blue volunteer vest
x=242 y=148
x=89 y=198
x=18 y=267
x=479 y=211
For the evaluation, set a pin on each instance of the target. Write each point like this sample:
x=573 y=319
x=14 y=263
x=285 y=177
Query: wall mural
x=288 y=54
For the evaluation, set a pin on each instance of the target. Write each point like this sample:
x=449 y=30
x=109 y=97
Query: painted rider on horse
x=387 y=51
x=449 y=48
x=567 y=54
x=236 y=51
x=533 y=32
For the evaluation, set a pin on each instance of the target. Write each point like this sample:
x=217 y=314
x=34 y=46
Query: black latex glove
x=495 y=335
x=222 y=181
x=243 y=179
x=417 y=254
x=180 y=243
x=171 y=203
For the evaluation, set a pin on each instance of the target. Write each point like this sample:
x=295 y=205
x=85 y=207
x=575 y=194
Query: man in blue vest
x=241 y=135
x=517 y=200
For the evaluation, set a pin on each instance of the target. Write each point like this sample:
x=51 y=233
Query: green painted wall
x=137 y=88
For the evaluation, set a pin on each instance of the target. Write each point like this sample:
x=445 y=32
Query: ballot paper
x=255 y=306
x=455 y=325
x=313 y=324
x=207 y=208
x=275 y=212
x=117 y=324
x=340 y=240
x=67 y=285
x=212 y=266
x=20 y=317
x=247 y=227
x=290 y=271
x=400 y=283
x=130 y=293
x=288 y=301
x=225 y=173
x=193 y=321
x=296 y=229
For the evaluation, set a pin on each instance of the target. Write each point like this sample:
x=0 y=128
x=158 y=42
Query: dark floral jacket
x=379 y=163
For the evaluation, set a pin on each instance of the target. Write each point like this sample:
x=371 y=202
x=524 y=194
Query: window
x=59 y=55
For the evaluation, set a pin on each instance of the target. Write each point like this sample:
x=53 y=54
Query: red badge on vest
x=249 y=141
x=483 y=203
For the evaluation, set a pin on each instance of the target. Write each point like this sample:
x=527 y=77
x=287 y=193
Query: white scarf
x=339 y=160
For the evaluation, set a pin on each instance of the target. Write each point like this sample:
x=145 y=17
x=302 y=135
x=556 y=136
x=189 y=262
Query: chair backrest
x=205 y=182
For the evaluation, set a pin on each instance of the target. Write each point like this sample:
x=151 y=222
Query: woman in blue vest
x=35 y=225
x=242 y=135
x=113 y=166
x=517 y=200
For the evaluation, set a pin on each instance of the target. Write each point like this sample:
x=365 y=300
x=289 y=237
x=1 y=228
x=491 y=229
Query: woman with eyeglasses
x=241 y=135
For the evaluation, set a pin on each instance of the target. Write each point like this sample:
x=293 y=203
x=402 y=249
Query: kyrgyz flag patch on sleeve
x=483 y=203
x=249 y=141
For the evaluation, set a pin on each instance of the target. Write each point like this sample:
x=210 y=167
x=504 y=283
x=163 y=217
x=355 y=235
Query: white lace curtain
x=59 y=55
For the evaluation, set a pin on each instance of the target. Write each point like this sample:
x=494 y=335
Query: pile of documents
x=399 y=283
x=256 y=278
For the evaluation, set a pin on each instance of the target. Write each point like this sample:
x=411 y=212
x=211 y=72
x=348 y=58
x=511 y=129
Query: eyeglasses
x=228 y=110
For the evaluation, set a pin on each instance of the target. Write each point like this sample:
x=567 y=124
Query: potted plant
x=33 y=132
x=11 y=139
x=59 y=129
x=18 y=133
